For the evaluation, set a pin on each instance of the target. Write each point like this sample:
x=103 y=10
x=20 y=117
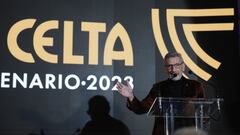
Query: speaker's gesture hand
x=125 y=90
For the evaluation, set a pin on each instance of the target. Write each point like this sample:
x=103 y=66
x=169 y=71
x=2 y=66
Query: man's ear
x=183 y=67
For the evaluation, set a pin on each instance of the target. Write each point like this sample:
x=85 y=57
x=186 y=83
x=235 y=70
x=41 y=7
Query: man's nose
x=173 y=68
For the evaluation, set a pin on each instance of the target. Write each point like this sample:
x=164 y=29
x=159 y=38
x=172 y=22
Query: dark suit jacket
x=191 y=88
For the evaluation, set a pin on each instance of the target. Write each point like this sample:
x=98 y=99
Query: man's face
x=174 y=67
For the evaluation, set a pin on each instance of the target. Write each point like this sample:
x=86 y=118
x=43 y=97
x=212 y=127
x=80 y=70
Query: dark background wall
x=62 y=111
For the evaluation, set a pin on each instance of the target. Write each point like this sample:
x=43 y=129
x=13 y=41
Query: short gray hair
x=173 y=54
x=190 y=131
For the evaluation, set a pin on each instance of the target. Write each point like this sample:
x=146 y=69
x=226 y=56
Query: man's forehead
x=173 y=59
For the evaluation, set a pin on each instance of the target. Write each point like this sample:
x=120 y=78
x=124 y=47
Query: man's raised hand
x=125 y=90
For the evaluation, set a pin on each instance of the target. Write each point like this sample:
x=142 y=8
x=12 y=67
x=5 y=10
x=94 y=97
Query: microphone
x=172 y=75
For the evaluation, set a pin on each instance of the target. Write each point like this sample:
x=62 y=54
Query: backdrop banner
x=56 y=55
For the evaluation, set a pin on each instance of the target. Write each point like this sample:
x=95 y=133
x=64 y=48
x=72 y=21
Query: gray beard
x=178 y=77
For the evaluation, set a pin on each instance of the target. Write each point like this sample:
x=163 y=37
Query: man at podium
x=176 y=86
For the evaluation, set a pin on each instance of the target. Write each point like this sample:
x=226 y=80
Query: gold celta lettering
x=68 y=57
x=94 y=29
x=40 y=42
x=118 y=31
x=13 y=46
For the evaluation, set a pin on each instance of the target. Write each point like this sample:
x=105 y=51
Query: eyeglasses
x=177 y=65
